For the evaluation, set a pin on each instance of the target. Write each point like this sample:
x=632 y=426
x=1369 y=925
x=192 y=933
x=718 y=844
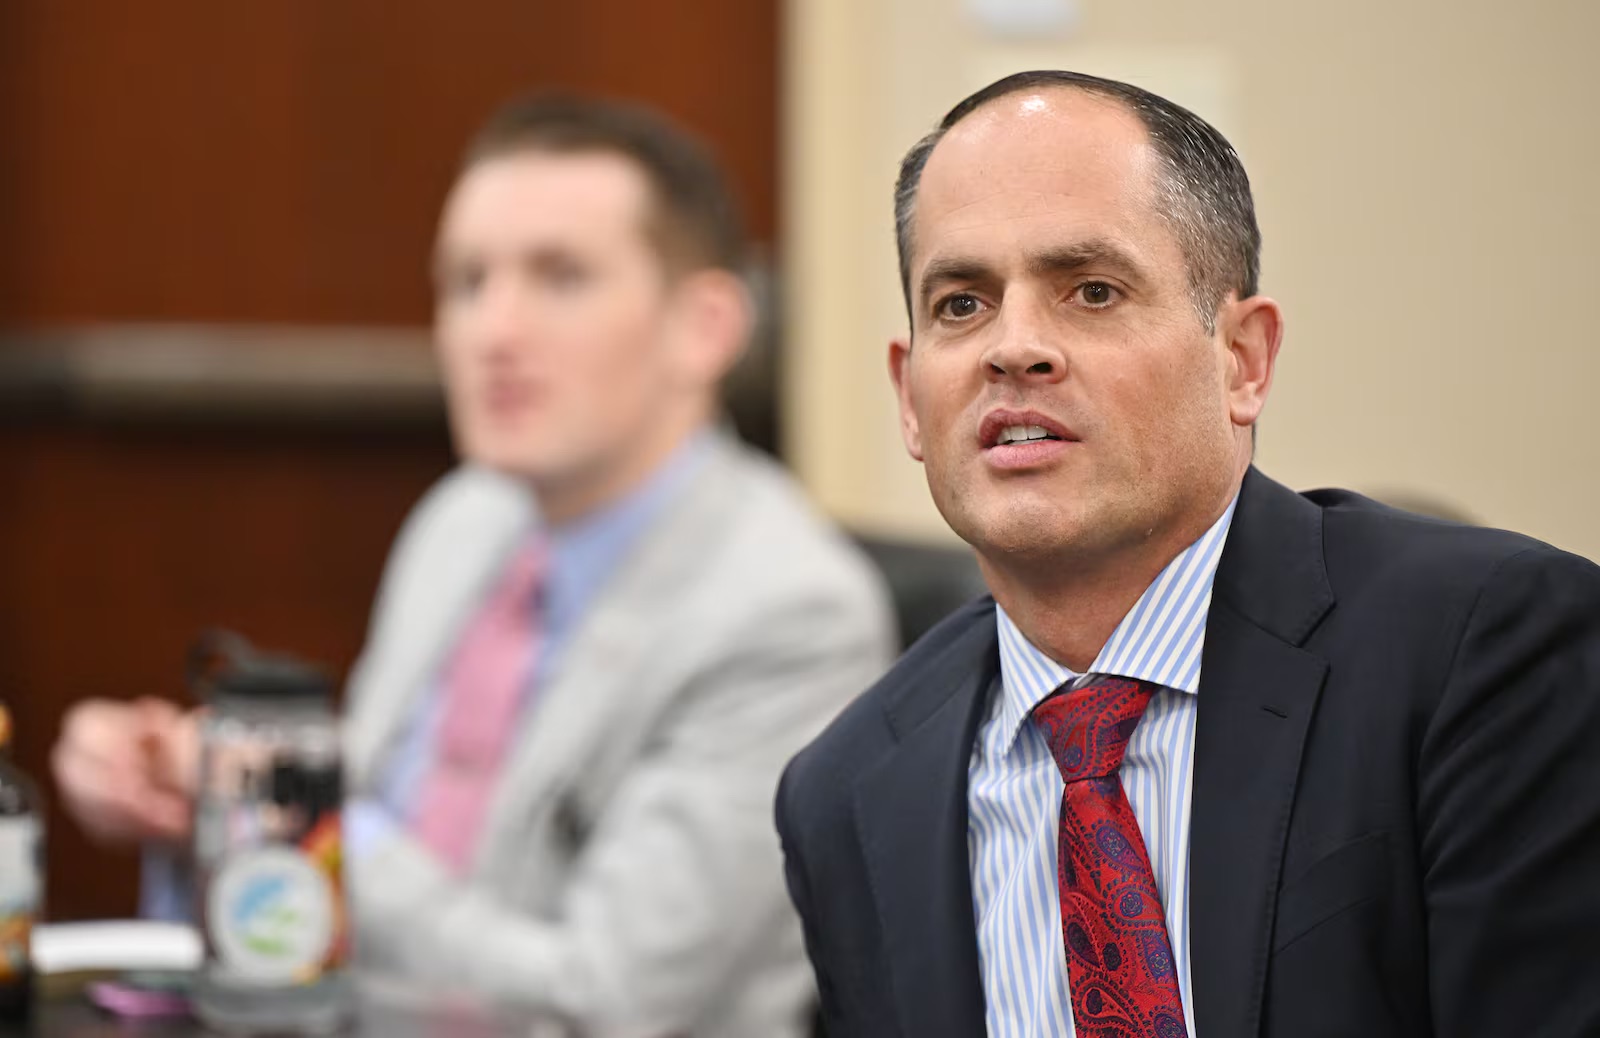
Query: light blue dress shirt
x=1014 y=793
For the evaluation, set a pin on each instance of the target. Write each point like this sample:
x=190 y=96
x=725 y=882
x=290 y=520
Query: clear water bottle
x=266 y=845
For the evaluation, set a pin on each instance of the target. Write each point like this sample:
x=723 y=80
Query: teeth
x=1022 y=433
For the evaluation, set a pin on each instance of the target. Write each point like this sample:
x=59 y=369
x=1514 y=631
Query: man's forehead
x=1035 y=162
x=1056 y=139
x=594 y=189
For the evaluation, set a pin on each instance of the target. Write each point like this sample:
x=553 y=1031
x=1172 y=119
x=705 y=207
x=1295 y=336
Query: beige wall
x=1425 y=175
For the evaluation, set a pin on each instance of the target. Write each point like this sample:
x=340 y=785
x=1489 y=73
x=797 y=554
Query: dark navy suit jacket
x=1396 y=820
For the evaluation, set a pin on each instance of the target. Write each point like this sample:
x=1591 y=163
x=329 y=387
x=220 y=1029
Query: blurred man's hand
x=127 y=771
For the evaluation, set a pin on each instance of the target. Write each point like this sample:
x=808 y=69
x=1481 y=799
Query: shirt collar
x=585 y=551
x=1159 y=640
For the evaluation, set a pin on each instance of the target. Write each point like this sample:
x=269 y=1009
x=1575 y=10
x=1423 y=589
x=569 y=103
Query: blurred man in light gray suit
x=597 y=642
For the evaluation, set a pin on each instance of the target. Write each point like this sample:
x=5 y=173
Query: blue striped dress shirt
x=1014 y=793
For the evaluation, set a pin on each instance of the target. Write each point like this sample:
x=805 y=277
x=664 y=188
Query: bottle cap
x=225 y=667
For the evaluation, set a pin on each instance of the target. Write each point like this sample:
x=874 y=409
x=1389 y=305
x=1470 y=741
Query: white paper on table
x=115 y=944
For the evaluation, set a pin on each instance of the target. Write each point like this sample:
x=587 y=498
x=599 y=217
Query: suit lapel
x=911 y=813
x=1258 y=691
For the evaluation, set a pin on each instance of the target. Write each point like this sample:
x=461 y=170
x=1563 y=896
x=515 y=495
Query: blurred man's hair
x=1205 y=194
x=693 y=223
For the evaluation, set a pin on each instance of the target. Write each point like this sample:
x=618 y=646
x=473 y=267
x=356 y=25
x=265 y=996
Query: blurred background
x=216 y=396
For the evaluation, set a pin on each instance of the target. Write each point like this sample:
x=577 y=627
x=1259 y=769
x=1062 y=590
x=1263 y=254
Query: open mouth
x=1022 y=440
x=1023 y=434
x=508 y=395
x=1007 y=428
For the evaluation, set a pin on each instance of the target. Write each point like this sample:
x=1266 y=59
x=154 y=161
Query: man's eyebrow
x=1094 y=253
x=952 y=268
x=537 y=254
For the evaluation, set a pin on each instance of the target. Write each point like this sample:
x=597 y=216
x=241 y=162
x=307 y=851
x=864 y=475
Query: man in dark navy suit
x=1216 y=758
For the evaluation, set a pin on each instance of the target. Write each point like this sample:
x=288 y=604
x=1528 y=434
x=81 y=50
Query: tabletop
x=380 y=1012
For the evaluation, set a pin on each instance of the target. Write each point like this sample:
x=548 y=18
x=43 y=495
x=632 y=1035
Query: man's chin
x=1023 y=547
x=1018 y=539
x=510 y=461
x=1021 y=526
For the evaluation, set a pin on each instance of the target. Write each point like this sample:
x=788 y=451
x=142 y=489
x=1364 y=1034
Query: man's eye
x=1096 y=295
x=567 y=276
x=959 y=307
x=461 y=282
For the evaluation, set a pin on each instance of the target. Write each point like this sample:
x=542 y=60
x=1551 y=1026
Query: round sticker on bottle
x=270 y=913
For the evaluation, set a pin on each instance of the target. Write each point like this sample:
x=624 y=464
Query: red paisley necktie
x=1120 y=971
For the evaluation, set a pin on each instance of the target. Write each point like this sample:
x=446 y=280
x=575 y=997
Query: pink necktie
x=483 y=689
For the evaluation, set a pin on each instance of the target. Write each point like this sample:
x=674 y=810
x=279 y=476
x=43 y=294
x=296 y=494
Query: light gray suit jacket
x=629 y=881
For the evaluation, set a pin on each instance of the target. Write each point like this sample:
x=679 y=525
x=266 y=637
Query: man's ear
x=1252 y=331
x=899 y=374
x=713 y=319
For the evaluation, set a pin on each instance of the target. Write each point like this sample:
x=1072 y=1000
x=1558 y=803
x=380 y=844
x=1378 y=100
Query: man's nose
x=501 y=319
x=1026 y=346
